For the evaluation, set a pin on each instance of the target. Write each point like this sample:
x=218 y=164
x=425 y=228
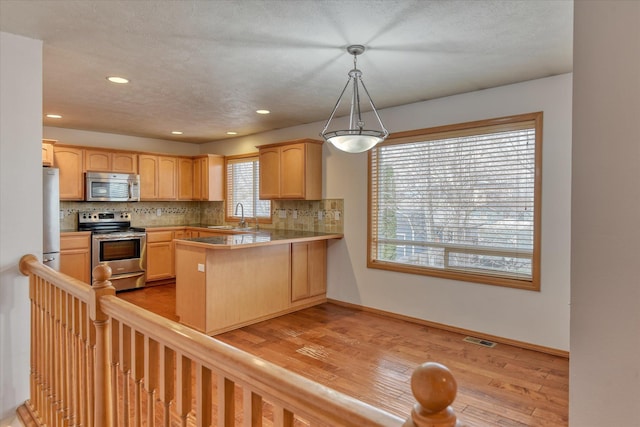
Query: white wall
x=605 y=264
x=120 y=142
x=541 y=318
x=21 y=187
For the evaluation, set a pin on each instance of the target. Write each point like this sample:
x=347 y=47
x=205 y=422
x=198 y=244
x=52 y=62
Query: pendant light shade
x=356 y=138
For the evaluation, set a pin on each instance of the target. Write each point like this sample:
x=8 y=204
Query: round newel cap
x=433 y=386
x=102 y=273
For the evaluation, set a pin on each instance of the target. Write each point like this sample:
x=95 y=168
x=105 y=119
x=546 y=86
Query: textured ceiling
x=204 y=67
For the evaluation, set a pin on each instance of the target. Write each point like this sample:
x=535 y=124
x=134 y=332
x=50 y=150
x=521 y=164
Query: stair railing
x=97 y=360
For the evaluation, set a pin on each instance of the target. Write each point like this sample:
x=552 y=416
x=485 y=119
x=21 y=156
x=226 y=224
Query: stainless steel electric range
x=115 y=243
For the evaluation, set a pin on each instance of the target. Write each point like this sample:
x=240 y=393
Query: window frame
x=450 y=131
x=230 y=204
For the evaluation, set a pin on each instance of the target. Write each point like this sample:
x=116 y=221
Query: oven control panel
x=85 y=217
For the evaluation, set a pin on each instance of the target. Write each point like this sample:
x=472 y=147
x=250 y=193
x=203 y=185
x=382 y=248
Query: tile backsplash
x=317 y=215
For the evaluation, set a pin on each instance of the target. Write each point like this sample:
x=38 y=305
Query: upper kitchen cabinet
x=70 y=161
x=47 y=152
x=110 y=161
x=291 y=170
x=208 y=178
x=158 y=177
x=185 y=179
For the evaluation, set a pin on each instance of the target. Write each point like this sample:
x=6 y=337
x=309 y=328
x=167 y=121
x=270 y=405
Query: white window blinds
x=459 y=203
x=243 y=176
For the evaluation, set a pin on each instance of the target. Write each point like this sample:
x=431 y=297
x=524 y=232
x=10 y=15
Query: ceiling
x=204 y=67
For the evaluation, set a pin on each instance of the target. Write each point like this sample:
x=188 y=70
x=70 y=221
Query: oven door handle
x=121 y=237
x=127 y=275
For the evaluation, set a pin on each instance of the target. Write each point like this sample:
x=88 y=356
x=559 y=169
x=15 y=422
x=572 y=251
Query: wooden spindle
x=103 y=403
x=226 y=402
x=252 y=408
x=435 y=389
x=167 y=382
x=125 y=366
x=115 y=363
x=151 y=377
x=184 y=387
x=203 y=396
x=137 y=371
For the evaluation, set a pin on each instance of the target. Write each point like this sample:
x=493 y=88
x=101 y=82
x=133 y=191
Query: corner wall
x=21 y=186
x=605 y=221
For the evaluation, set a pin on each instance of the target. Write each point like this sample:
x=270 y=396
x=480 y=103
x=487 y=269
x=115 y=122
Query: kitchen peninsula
x=227 y=281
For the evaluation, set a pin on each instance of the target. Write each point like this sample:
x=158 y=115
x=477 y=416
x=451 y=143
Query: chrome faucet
x=242 y=221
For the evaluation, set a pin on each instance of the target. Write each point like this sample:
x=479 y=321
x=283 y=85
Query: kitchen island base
x=220 y=289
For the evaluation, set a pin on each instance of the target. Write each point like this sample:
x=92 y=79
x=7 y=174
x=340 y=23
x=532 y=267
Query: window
x=459 y=202
x=243 y=178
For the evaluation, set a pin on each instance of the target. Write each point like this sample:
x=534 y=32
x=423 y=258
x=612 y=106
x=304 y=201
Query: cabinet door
x=197 y=179
x=77 y=264
x=97 y=161
x=124 y=162
x=308 y=269
x=185 y=179
x=75 y=255
x=167 y=178
x=148 y=167
x=160 y=261
x=47 y=154
x=292 y=171
x=70 y=161
x=212 y=178
x=270 y=173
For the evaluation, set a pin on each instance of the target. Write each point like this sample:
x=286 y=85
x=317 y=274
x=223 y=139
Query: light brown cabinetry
x=182 y=234
x=185 y=179
x=107 y=161
x=75 y=255
x=160 y=258
x=224 y=287
x=208 y=178
x=291 y=170
x=70 y=161
x=158 y=177
x=47 y=152
x=308 y=269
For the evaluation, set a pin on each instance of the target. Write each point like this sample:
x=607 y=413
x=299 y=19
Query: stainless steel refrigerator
x=51 y=217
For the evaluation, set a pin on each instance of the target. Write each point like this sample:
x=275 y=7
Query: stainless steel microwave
x=112 y=187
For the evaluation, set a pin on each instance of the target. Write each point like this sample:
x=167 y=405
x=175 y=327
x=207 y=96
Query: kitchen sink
x=231 y=228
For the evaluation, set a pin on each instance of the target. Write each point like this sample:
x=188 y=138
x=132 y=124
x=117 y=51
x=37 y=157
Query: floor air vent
x=478 y=341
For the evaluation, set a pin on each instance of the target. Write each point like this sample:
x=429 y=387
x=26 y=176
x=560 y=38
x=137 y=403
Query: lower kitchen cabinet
x=308 y=269
x=160 y=258
x=75 y=255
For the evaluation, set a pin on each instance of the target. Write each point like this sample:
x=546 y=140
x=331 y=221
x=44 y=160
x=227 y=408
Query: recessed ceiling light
x=116 y=79
x=54 y=116
x=263 y=111
x=232 y=133
x=176 y=132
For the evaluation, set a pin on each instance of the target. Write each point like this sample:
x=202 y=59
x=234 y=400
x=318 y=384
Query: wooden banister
x=90 y=349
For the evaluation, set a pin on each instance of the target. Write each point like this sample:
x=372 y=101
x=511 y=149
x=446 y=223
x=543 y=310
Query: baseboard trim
x=484 y=336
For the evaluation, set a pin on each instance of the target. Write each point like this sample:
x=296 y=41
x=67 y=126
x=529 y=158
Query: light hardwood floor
x=371 y=357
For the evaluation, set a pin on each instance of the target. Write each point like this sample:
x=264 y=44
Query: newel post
x=103 y=402
x=435 y=389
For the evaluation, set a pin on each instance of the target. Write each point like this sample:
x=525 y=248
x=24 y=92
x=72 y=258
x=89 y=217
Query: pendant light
x=356 y=139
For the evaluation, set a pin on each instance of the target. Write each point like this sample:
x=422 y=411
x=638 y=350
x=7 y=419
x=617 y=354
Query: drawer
x=70 y=241
x=159 y=236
